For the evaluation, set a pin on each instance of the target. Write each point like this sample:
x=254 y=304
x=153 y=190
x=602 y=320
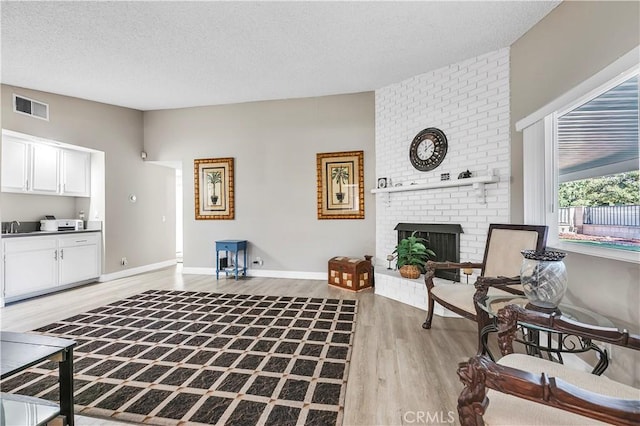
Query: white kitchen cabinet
x=30 y=265
x=41 y=264
x=15 y=164
x=76 y=173
x=32 y=166
x=45 y=168
x=79 y=258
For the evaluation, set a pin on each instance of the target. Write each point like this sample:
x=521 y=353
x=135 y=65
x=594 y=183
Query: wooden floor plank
x=399 y=371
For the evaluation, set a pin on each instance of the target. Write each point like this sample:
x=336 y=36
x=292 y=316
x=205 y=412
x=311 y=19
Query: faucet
x=13 y=231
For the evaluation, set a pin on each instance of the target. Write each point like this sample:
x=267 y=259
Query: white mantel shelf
x=476 y=181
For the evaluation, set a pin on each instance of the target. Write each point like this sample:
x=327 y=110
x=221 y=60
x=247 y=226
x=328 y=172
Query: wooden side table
x=233 y=246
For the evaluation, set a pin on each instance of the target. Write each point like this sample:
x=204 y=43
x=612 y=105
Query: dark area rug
x=176 y=357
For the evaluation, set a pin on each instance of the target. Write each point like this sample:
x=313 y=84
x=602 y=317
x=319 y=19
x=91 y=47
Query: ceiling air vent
x=30 y=107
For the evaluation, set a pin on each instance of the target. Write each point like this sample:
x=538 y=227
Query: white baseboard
x=298 y=275
x=135 y=271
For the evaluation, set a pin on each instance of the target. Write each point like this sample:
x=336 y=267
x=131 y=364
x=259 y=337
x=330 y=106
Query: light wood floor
x=398 y=370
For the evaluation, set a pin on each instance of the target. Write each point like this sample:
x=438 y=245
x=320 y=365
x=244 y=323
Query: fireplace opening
x=444 y=240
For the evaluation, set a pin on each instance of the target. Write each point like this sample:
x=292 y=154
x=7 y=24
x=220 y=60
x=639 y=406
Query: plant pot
x=340 y=196
x=544 y=278
x=410 y=271
x=214 y=199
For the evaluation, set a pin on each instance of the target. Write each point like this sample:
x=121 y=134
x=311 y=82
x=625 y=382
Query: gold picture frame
x=214 y=193
x=340 y=181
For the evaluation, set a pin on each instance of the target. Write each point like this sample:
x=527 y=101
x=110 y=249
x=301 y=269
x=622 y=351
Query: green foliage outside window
x=613 y=190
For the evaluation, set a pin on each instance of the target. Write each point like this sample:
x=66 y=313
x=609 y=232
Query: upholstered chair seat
x=511 y=410
x=523 y=389
x=461 y=295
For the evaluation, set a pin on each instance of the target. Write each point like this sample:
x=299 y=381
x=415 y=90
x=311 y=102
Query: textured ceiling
x=155 y=55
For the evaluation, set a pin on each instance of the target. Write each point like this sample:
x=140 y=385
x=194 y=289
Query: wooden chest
x=350 y=273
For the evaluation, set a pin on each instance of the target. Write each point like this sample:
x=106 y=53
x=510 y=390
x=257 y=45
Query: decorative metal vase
x=544 y=277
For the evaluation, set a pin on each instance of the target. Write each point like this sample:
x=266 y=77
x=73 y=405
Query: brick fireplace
x=469 y=102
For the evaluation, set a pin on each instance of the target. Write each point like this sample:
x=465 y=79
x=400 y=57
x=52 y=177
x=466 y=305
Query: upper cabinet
x=45 y=169
x=76 y=173
x=32 y=167
x=15 y=165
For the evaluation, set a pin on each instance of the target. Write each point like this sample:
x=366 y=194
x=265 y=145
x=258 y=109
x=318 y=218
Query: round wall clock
x=428 y=149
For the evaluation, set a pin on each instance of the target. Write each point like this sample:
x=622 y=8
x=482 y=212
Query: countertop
x=42 y=233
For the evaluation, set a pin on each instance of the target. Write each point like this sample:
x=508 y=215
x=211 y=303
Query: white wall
x=32 y=208
x=135 y=231
x=274 y=144
x=572 y=43
x=469 y=102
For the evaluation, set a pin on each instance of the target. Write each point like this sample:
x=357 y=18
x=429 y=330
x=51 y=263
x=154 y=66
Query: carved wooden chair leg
x=427 y=322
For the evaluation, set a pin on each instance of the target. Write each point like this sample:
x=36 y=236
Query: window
x=597 y=150
x=581 y=165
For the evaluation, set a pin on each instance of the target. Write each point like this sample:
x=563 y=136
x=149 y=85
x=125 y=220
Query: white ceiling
x=156 y=55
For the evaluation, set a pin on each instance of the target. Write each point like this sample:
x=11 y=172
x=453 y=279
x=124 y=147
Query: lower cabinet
x=79 y=258
x=39 y=264
x=30 y=265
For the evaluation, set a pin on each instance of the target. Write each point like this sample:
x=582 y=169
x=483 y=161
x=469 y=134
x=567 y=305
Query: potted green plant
x=412 y=255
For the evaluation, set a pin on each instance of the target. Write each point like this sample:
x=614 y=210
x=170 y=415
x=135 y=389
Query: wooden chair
x=526 y=390
x=502 y=260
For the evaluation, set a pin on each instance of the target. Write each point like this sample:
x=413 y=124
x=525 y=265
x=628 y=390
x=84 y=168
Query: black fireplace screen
x=444 y=240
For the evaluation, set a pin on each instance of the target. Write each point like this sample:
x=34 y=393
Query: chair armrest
x=432 y=266
x=497 y=281
x=480 y=374
x=482 y=284
x=453 y=265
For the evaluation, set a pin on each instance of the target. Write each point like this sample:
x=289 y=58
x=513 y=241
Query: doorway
x=179 y=215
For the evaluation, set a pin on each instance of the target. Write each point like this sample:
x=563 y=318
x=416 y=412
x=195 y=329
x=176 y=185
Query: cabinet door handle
x=81 y=241
x=61 y=254
x=55 y=255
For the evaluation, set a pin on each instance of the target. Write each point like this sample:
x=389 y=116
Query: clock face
x=428 y=149
x=425 y=149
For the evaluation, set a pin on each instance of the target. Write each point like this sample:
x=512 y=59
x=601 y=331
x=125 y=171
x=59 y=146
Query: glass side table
x=542 y=342
x=19 y=351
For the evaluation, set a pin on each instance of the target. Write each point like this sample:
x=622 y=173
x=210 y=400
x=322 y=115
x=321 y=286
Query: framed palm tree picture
x=340 y=182
x=213 y=188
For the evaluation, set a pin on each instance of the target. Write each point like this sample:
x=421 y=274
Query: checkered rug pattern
x=176 y=357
